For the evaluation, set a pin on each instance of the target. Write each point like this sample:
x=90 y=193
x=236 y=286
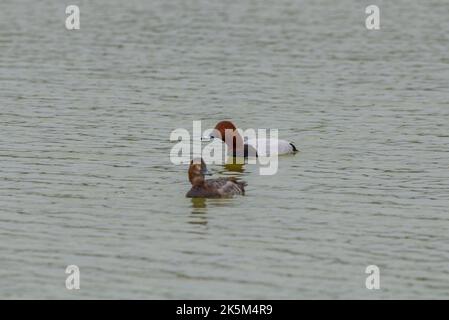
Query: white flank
x=268 y=147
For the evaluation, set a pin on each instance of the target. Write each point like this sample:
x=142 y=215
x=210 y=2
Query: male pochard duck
x=211 y=188
x=250 y=147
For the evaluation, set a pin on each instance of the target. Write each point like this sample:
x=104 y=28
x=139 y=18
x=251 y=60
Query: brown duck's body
x=212 y=188
x=217 y=188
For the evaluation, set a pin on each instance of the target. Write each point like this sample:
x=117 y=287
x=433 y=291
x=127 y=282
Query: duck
x=211 y=188
x=238 y=147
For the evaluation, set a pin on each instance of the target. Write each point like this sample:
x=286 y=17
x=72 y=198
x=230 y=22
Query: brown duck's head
x=227 y=132
x=197 y=171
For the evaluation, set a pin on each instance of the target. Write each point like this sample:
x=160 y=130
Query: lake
x=85 y=171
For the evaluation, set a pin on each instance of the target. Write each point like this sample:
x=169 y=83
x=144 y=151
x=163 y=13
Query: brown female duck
x=211 y=188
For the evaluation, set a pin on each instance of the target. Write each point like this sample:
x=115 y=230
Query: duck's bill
x=207 y=138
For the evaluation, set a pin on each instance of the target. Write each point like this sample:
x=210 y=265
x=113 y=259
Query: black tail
x=294 y=148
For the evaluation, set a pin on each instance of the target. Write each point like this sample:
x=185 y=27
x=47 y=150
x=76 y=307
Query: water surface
x=86 y=179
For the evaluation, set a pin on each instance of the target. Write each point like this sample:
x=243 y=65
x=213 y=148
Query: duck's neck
x=235 y=143
x=197 y=183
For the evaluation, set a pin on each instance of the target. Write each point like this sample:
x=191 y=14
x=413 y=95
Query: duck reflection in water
x=198 y=203
x=235 y=165
x=199 y=211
